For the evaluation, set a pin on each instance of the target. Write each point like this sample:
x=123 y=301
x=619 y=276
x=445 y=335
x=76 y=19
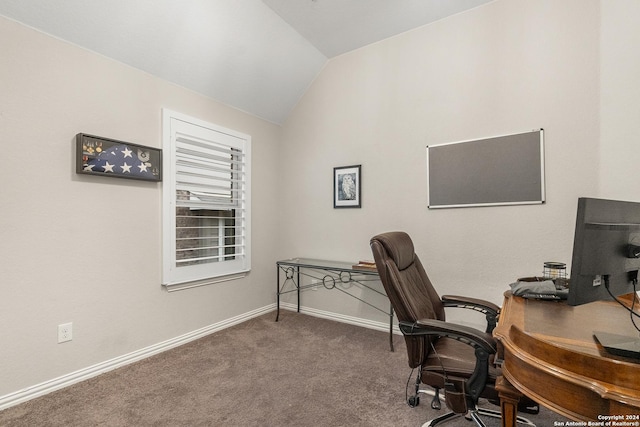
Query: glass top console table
x=330 y=275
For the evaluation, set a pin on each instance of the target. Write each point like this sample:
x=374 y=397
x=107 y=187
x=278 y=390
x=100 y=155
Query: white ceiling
x=257 y=56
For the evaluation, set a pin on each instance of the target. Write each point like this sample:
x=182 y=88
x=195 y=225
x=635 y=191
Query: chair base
x=474 y=416
x=471 y=415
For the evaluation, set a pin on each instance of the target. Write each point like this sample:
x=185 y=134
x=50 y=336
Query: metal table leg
x=277 y=292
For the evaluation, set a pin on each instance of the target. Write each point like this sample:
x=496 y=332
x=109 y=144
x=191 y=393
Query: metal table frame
x=328 y=274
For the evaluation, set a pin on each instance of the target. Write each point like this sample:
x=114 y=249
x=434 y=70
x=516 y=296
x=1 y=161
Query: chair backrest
x=408 y=287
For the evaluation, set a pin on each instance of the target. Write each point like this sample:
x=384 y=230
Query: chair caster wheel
x=413 y=401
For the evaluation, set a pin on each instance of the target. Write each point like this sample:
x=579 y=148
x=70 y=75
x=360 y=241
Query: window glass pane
x=204 y=236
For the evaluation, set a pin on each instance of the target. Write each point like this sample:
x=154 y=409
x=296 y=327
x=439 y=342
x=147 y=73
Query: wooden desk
x=547 y=352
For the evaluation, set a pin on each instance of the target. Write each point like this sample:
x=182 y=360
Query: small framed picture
x=96 y=155
x=347 y=186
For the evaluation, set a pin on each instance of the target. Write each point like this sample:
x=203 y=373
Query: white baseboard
x=41 y=389
x=357 y=321
x=46 y=387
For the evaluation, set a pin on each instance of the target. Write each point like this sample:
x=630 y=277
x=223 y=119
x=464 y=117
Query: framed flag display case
x=96 y=155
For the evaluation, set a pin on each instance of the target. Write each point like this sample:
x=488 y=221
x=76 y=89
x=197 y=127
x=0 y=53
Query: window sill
x=173 y=287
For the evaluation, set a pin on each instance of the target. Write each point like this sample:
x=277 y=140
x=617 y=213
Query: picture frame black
x=100 y=156
x=347 y=186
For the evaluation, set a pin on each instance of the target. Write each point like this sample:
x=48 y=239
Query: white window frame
x=177 y=126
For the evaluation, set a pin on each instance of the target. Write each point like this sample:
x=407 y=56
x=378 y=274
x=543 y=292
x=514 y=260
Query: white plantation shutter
x=206 y=200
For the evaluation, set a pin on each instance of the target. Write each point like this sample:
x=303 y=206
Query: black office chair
x=450 y=357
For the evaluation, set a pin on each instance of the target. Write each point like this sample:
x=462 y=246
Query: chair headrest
x=399 y=246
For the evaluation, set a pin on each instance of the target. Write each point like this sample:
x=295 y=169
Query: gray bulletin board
x=502 y=170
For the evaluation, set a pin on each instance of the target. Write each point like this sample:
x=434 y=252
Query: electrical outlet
x=65 y=332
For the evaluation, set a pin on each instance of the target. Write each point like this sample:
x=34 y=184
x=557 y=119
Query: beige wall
x=508 y=66
x=619 y=165
x=505 y=67
x=87 y=250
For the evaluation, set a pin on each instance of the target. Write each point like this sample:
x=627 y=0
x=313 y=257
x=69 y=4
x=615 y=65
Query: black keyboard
x=549 y=297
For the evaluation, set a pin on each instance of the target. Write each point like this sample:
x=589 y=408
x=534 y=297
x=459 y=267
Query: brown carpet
x=300 y=371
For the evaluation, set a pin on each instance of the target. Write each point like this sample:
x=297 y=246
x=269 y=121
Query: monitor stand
x=619 y=345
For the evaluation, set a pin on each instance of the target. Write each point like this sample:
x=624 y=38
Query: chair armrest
x=465 y=334
x=472 y=303
x=489 y=309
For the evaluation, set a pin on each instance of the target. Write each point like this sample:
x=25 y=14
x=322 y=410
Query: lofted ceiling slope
x=257 y=56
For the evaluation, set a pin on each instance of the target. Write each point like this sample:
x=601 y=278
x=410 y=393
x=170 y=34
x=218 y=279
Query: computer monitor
x=605 y=263
x=606 y=250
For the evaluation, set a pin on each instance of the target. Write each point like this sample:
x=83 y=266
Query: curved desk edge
x=572 y=383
